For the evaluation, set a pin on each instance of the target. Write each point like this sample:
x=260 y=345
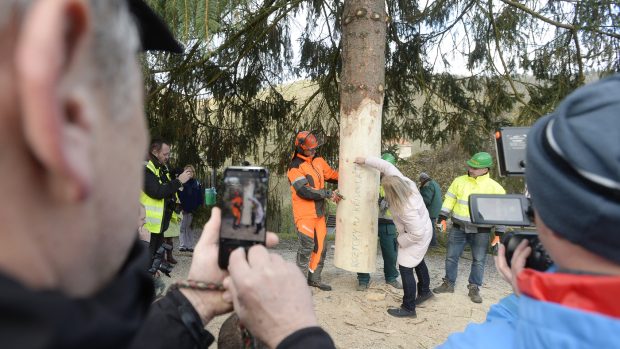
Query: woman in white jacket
x=414 y=232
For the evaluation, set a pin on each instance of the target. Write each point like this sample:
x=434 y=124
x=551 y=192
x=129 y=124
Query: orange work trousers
x=315 y=229
x=237 y=214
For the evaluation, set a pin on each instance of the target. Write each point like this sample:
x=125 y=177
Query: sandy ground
x=357 y=319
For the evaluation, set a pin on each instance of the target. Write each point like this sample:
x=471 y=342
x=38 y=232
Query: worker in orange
x=307 y=174
x=235 y=206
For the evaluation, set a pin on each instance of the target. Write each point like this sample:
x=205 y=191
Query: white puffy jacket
x=414 y=226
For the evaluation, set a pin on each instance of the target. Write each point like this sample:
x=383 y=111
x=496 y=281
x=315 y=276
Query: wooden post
x=361 y=101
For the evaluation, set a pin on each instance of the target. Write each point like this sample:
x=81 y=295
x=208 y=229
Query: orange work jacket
x=307 y=177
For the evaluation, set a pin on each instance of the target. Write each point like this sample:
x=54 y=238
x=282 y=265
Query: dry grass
x=448 y=162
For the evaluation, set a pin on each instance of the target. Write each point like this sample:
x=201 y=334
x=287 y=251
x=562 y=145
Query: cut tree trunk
x=361 y=101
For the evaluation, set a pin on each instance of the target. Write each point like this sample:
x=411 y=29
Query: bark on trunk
x=361 y=101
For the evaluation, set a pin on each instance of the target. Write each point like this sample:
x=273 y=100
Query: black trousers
x=409 y=284
x=156 y=241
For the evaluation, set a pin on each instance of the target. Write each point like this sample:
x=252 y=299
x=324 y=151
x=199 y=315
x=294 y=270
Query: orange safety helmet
x=305 y=140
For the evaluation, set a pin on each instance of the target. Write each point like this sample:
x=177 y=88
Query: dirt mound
x=357 y=319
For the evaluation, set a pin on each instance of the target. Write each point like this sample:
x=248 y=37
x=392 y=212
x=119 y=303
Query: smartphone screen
x=244 y=209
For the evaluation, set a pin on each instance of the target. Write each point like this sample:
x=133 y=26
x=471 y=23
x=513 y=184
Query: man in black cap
x=573 y=177
x=73 y=136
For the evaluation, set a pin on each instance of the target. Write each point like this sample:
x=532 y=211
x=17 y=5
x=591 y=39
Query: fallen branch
x=419 y=322
x=373 y=329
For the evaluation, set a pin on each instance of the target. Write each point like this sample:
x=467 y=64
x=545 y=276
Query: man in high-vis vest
x=307 y=174
x=573 y=158
x=159 y=192
x=387 y=240
x=456 y=204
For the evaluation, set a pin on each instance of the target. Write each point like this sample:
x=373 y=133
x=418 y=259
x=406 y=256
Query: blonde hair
x=397 y=192
x=190 y=167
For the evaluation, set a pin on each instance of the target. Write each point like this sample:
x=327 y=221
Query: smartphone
x=244 y=209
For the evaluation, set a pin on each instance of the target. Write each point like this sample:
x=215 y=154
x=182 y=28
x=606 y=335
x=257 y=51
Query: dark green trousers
x=389 y=250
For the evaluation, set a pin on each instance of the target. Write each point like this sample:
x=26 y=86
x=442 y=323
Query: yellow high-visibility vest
x=154 y=207
x=387 y=214
x=456 y=200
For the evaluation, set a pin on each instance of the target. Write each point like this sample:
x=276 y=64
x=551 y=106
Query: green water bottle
x=210 y=195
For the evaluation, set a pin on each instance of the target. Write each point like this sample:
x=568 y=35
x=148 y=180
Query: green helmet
x=389 y=157
x=480 y=160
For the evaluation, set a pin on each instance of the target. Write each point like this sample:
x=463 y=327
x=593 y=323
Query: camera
x=510 y=210
x=158 y=261
x=538 y=258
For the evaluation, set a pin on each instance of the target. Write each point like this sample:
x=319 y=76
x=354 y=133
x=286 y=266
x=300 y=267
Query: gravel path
x=359 y=319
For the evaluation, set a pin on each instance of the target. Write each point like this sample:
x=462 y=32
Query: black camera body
x=159 y=262
x=538 y=258
x=510 y=210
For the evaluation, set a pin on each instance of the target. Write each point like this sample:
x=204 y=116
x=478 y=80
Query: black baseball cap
x=154 y=33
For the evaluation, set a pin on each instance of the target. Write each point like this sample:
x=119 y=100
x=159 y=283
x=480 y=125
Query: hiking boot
x=321 y=286
x=171 y=259
x=445 y=287
x=401 y=312
x=423 y=298
x=362 y=286
x=395 y=284
x=474 y=293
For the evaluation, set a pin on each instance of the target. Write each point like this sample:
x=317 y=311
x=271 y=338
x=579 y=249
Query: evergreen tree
x=224 y=98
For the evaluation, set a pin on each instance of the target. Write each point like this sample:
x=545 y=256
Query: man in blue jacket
x=191 y=197
x=573 y=176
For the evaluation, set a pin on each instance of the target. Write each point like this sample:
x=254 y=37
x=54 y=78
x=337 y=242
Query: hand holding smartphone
x=244 y=209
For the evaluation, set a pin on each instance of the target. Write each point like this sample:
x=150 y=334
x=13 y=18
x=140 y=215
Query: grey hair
x=115 y=44
x=397 y=193
x=8 y=9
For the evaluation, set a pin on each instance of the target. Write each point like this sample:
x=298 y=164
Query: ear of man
x=56 y=124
